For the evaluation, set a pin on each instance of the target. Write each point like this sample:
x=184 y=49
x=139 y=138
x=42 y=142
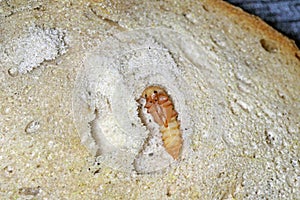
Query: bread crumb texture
x=72 y=120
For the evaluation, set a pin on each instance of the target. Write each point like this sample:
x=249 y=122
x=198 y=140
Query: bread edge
x=258 y=26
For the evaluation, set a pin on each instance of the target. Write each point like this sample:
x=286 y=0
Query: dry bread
x=72 y=117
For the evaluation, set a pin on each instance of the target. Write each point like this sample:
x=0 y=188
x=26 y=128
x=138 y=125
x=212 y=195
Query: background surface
x=283 y=15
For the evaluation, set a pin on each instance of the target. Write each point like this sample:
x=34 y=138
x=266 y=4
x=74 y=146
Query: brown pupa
x=160 y=106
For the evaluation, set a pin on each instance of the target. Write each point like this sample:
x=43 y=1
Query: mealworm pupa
x=160 y=106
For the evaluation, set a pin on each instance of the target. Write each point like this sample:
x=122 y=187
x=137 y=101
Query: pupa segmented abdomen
x=160 y=106
x=171 y=137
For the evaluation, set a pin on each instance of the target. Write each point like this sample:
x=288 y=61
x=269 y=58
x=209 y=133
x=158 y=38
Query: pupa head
x=151 y=91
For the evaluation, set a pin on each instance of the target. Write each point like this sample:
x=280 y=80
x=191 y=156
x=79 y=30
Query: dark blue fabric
x=283 y=15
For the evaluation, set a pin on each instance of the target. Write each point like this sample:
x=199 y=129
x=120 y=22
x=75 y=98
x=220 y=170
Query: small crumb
x=13 y=72
x=171 y=190
x=32 y=127
x=33 y=191
x=9 y=169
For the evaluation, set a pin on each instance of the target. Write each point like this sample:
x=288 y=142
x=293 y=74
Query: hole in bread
x=297 y=54
x=268 y=45
x=205 y=8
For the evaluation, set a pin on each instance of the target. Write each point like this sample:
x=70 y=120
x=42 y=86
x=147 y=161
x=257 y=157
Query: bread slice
x=70 y=124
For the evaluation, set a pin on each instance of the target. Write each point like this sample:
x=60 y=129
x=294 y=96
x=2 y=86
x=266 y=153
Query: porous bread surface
x=234 y=83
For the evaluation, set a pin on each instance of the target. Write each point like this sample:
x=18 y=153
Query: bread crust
x=254 y=25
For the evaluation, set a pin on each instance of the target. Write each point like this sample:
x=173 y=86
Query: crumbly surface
x=72 y=73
